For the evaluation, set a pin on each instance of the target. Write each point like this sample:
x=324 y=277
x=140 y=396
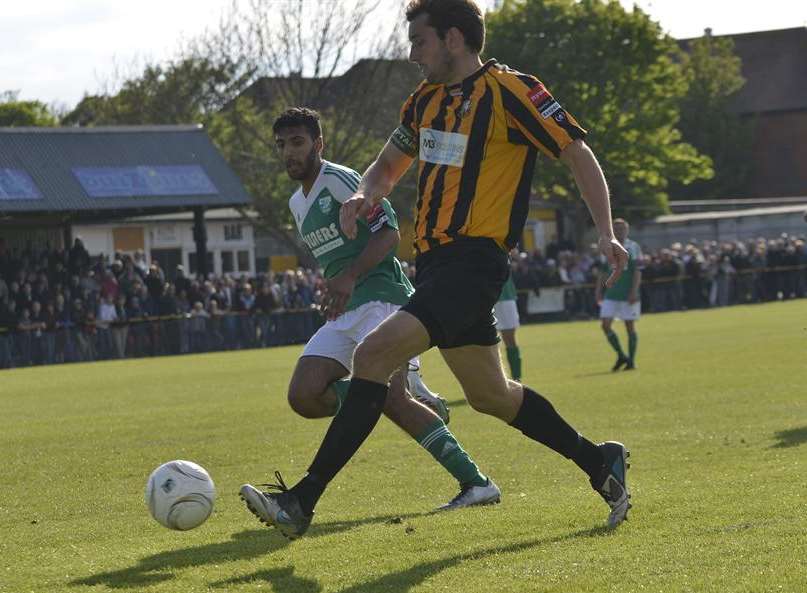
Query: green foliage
x=184 y=91
x=714 y=417
x=15 y=113
x=211 y=92
x=615 y=71
x=714 y=75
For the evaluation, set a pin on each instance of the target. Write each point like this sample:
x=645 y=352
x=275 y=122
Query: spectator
x=120 y=327
x=198 y=327
x=79 y=258
x=265 y=303
x=8 y=325
x=107 y=315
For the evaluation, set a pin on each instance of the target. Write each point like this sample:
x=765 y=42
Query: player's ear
x=319 y=144
x=454 y=39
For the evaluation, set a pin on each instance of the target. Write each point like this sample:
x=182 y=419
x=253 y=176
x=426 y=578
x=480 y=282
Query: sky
x=55 y=51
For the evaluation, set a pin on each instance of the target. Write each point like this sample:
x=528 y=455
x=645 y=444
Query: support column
x=200 y=237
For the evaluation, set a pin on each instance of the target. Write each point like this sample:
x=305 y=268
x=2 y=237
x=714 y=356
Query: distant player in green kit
x=622 y=300
x=506 y=313
x=365 y=285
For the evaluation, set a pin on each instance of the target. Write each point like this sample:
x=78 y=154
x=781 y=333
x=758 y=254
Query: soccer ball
x=180 y=495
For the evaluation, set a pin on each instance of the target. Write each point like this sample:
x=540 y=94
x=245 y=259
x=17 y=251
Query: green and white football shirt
x=508 y=290
x=620 y=290
x=317 y=218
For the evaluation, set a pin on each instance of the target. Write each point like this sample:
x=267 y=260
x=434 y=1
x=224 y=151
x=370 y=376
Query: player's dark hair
x=465 y=15
x=299 y=116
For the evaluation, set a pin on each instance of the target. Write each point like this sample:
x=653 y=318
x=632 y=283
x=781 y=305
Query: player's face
x=620 y=231
x=429 y=52
x=298 y=151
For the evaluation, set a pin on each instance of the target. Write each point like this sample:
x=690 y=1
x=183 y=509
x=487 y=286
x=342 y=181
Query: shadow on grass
x=595 y=374
x=404 y=580
x=245 y=545
x=791 y=438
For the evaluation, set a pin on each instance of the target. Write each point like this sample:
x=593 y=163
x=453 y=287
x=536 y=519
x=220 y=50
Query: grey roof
x=48 y=155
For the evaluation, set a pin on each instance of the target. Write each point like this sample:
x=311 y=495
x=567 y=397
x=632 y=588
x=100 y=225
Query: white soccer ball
x=180 y=495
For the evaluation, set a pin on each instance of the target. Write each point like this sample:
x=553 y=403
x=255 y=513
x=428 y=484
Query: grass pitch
x=715 y=417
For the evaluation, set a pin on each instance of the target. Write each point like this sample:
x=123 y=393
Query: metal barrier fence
x=155 y=336
x=673 y=293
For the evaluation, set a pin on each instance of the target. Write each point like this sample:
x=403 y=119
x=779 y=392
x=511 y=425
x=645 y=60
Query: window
x=233 y=232
x=243 y=261
x=192 y=262
x=227 y=263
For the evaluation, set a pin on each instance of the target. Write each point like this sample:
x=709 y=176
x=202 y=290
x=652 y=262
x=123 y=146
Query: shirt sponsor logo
x=550 y=109
x=321 y=236
x=538 y=94
x=442 y=148
x=323 y=249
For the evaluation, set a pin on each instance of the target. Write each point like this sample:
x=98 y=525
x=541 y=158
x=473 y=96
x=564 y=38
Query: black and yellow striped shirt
x=477 y=143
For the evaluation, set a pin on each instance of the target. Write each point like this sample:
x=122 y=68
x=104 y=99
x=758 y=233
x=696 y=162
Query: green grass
x=716 y=418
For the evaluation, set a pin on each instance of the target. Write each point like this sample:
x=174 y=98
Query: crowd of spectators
x=682 y=276
x=64 y=306
x=61 y=305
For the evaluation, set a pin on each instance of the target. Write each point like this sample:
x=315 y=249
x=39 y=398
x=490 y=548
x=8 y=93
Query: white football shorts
x=506 y=313
x=338 y=339
x=620 y=310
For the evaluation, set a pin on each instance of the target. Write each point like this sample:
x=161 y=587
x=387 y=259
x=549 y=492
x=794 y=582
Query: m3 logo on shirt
x=442 y=148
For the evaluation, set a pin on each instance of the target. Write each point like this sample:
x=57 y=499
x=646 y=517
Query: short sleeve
x=535 y=116
x=405 y=136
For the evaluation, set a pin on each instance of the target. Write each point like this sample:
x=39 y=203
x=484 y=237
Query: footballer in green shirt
x=365 y=284
x=622 y=300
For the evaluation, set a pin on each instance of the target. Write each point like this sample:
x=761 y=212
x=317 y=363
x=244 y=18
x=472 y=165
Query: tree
x=707 y=122
x=616 y=72
x=295 y=53
x=263 y=57
x=15 y=113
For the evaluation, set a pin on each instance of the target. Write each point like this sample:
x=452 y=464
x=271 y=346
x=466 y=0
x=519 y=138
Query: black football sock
x=538 y=420
x=349 y=428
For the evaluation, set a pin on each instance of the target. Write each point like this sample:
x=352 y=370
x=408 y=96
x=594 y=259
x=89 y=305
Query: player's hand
x=617 y=258
x=632 y=297
x=352 y=209
x=338 y=291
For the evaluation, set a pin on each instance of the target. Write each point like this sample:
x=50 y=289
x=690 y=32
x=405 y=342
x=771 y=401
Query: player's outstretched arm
x=591 y=182
x=377 y=182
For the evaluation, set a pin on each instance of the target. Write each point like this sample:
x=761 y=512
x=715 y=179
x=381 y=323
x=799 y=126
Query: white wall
x=98 y=239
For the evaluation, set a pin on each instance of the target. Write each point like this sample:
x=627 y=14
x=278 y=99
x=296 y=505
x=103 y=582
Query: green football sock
x=614 y=341
x=439 y=441
x=514 y=360
x=633 y=343
x=340 y=389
